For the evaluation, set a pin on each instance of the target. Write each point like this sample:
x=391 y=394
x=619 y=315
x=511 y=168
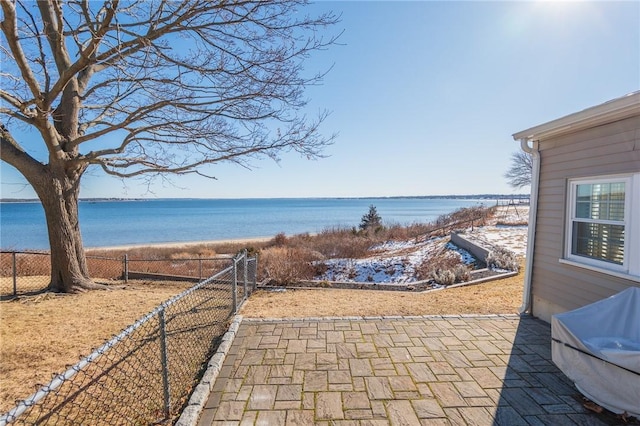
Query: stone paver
x=467 y=370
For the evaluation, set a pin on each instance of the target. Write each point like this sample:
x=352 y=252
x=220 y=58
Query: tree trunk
x=59 y=196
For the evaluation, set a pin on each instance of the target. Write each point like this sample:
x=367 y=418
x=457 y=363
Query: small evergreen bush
x=371 y=220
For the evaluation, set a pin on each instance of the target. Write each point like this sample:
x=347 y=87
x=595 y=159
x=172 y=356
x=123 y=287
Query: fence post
x=15 y=274
x=234 y=287
x=245 y=277
x=165 y=364
x=200 y=266
x=126 y=267
x=255 y=272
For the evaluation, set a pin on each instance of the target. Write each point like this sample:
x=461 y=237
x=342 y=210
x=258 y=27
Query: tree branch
x=10 y=29
x=12 y=153
x=169 y=87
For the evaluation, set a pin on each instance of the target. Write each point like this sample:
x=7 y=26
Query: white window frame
x=630 y=267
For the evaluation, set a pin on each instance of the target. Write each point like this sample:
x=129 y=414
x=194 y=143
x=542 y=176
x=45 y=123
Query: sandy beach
x=183 y=244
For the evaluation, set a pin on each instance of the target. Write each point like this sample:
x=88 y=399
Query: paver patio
x=476 y=370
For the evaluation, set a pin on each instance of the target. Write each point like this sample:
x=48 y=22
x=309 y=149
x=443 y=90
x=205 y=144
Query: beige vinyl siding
x=623 y=141
x=605 y=150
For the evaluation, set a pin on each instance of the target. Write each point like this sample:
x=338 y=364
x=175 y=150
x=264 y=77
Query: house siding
x=609 y=149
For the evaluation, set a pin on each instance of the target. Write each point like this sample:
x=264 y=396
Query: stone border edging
x=387 y=286
x=386 y=317
x=191 y=414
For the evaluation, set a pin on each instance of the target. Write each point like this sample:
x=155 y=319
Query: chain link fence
x=145 y=374
x=23 y=273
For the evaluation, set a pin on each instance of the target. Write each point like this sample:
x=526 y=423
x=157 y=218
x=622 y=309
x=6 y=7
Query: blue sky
x=425 y=97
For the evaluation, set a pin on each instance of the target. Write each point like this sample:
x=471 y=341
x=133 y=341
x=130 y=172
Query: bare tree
x=148 y=88
x=519 y=173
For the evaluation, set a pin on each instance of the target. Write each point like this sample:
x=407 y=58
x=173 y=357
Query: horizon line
x=467 y=196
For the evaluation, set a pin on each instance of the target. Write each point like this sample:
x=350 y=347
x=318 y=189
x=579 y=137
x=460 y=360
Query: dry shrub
x=207 y=252
x=441 y=261
x=443 y=276
x=462 y=273
x=443 y=224
x=465 y=217
x=280 y=240
x=285 y=265
x=444 y=268
x=404 y=233
x=341 y=243
x=501 y=258
x=521 y=222
x=458 y=274
x=298 y=240
x=197 y=253
x=181 y=256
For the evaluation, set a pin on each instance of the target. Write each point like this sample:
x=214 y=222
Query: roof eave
x=617 y=109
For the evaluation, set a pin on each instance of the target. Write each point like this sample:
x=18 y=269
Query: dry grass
x=284 y=265
x=494 y=297
x=45 y=334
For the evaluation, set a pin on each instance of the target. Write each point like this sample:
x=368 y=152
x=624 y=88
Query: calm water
x=112 y=223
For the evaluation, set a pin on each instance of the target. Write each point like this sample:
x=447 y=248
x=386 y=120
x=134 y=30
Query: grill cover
x=598 y=348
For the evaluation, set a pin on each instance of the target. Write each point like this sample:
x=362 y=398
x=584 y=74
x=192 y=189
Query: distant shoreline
x=392 y=197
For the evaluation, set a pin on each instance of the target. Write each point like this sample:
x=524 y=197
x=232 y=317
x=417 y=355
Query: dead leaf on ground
x=592 y=406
